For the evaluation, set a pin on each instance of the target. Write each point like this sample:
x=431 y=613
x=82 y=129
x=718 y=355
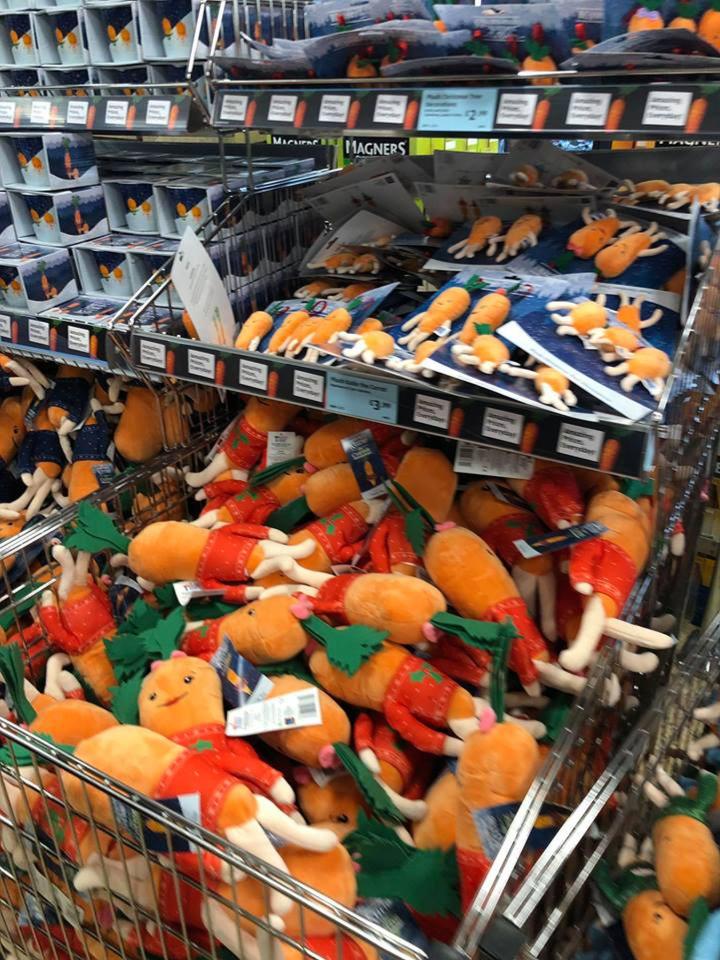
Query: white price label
x=5 y=328
x=39 y=332
x=78 y=339
x=588 y=109
x=77 y=111
x=201 y=364
x=282 y=445
x=390 y=108
x=233 y=107
x=334 y=108
x=470 y=458
x=282 y=107
x=116 y=113
x=298 y=709
x=40 y=111
x=516 y=109
x=152 y=354
x=253 y=375
x=187 y=590
x=308 y=386
x=501 y=425
x=59 y=900
x=666 y=108
x=358 y=397
x=433 y=411
x=158 y=113
x=7 y=111
x=580 y=442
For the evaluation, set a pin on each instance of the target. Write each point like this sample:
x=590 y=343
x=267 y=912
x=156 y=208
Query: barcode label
x=298 y=709
x=485 y=462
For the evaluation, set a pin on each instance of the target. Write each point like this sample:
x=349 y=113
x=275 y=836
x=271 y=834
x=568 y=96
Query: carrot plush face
x=180 y=693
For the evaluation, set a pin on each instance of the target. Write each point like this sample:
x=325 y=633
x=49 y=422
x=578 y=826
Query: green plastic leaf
x=125 y=699
x=14 y=754
x=347 y=648
x=94 y=532
x=290 y=515
x=275 y=470
x=295 y=667
x=372 y=793
x=12 y=669
x=427 y=880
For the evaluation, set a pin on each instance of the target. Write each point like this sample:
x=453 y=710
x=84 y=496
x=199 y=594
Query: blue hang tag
x=159 y=838
x=367 y=465
x=242 y=682
x=559 y=539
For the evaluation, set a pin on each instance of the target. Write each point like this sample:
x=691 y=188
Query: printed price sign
x=457 y=110
x=433 y=411
x=334 y=108
x=666 y=108
x=516 y=109
x=40 y=112
x=77 y=112
x=5 y=328
x=116 y=112
x=39 y=332
x=233 y=107
x=358 y=397
x=502 y=425
x=390 y=109
x=588 y=109
x=253 y=375
x=580 y=442
x=282 y=108
x=7 y=111
x=152 y=354
x=201 y=364
x=78 y=339
x=158 y=113
x=308 y=386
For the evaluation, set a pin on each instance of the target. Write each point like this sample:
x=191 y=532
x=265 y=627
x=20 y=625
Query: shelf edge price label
x=39 y=332
x=433 y=411
x=116 y=112
x=234 y=107
x=334 y=108
x=5 y=326
x=7 y=111
x=40 y=112
x=502 y=425
x=78 y=339
x=516 y=109
x=582 y=443
x=588 y=109
x=282 y=107
x=457 y=110
x=390 y=109
x=77 y=112
x=358 y=397
x=201 y=364
x=253 y=375
x=666 y=108
x=152 y=354
x=308 y=386
x=157 y=113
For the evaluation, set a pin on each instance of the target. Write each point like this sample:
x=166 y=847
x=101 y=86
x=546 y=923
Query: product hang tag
x=161 y=840
x=242 y=682
x=187 y=590
x=298 y=709
x=283 y=445
x=506 y=495
x=364 y=458
x=201 y=289
x=559 y=539
x=487 y=462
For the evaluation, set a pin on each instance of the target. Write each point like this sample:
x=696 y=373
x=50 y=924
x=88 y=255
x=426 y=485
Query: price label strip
x=457 y=110
x=298 y=709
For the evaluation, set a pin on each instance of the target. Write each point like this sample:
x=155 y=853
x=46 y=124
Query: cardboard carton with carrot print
x=61 y=218
x=35 y=277
x=49 y=161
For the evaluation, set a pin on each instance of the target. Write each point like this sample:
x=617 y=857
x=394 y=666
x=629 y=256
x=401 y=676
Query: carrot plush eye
x=152 y=696
x=188 y=679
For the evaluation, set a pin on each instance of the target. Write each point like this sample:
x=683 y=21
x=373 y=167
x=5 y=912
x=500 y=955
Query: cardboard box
x=18 y=44
x=7 y=227
x=48 y=161
x=136 y=257
x=127 y=81
x=113 y=34
x=59 y=219
x=100 y=310
x=34 y=278
x=20 y=81
x=131 y=205
x=61 y=37
x=167 y=28
x=188 y=203
x=70 y=83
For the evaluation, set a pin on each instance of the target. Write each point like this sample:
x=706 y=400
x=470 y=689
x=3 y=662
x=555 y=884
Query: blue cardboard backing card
x=242 y=682
x=364 y=458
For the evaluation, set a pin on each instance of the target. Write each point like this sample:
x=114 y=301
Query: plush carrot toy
x=500 y=524
x=91 y=467
x=553 y=493
x=251 y=501
x=477 y=585
x=245 y=444
x=139 y=434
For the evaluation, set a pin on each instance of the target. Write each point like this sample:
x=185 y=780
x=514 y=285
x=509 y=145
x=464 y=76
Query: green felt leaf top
x=94 y=532
x=372 y=793
x=427 y=880
x=290 y=515
x=23 y=599
x=627 y=885
x=347 y=648
x=416 y=531
x=12 y=669
x=699 y=913
x=419 y=523
x=295 y=667
x=125 y=699
x=634 y=489
x=132 y=653
x=696 y=807
x=275 y=470
x=14 y=754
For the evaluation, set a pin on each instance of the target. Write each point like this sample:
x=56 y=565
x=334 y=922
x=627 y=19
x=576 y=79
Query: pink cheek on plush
x=430 y=632
x=487 y=719
x=447 y=525
x=309 y=468
x=327 y=758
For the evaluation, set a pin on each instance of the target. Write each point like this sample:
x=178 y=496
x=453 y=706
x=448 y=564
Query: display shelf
x=159 y=115
x=484 y=419
x=622 y=109
x=53 y=338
